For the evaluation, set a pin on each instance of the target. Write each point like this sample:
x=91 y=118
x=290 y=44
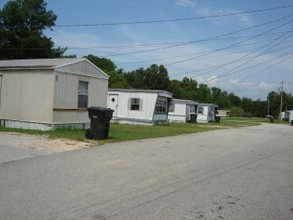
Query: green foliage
x=21 y=30
x=234 y=100
x=153 y=77
x=136 y=78
x=236 y=111
x=104 y=64
x=156 y=77
x=204 y=93
x=116 y=80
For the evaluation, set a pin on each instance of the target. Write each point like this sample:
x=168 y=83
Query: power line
x=162 y=43
x=197 y=53
x=173 y=20
x=246 y=55
x=232 y=72
x=201 y=40
x=231 y=45
x=220 y=66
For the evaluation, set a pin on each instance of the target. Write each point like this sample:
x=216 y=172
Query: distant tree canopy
x=104 y=64
x=21 y=37
x=156 y=77
x=21 y=30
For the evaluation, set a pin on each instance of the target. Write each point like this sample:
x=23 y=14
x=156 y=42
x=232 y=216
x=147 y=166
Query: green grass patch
x=123 y=132
x=78 y=135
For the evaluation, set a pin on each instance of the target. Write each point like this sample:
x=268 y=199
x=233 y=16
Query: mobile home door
x=113 y=103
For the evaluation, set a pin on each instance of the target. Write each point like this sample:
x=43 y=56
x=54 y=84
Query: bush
x=237 y=112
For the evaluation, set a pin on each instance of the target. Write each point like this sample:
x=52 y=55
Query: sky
x=243 y=47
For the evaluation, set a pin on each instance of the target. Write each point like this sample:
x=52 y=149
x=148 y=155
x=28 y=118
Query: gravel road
x=234 y=174
x=15 y=146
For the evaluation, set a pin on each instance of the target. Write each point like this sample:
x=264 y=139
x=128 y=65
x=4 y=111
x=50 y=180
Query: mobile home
x=46 y=94
x=183 y=110
x=206 y=112
x=135 y=106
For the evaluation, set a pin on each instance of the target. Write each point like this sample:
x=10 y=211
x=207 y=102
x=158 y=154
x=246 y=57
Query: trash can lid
x=100 y=109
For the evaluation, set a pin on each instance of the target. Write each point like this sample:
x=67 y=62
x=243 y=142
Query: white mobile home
x=206 y=112
x=290 y=118
x=135 y=106
x=183 y=110
x=45 y=94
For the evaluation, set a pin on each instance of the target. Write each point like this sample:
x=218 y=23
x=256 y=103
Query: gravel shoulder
x=15 y=146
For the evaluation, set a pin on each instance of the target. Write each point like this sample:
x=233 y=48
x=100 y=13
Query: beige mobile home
x=46 y=94
x=136 y=106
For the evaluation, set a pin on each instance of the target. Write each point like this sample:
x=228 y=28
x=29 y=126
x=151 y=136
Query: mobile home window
x=135 y=104
x=200 y=110
x=83 y=94
x=172 y=107
x=161 y=106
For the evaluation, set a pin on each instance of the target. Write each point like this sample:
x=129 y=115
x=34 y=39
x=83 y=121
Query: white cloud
x=188 y=3
x=243 y=88
x=207 y=11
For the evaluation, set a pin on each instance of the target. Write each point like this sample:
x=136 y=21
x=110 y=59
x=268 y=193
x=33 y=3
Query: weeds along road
x=244 y=173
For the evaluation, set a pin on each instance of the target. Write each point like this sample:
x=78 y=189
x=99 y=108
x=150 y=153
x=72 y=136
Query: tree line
x=156 y=77
x=21 y=37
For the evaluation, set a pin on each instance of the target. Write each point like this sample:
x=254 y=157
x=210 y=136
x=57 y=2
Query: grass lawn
x=122 y=132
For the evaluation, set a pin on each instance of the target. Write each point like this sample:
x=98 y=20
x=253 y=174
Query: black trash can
x=291 y=122
x=100 y=122
x=217 y=119
x=193 y=118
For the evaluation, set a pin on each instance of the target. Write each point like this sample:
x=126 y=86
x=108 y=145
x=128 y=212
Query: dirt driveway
x=14 y=146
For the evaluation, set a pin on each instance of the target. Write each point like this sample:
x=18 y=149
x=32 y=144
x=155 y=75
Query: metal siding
x=98 y=92
x=66 y=97
x=67 y=117
x=66 y=91
x=148 y=99
x=31 y=89
x=179 y=114
x=27 y=95
x=83 y=68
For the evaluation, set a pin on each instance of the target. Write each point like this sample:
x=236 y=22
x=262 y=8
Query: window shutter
x=129 y=104
x=140 y=105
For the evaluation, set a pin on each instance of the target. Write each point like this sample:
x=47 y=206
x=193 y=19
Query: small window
x=135 y=104
x=212 y=111
x=82 y=94
x=161 y=106
x=192 y=109
x=172 y=107
x=200 y=110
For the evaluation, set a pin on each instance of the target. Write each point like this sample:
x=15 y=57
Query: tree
x=247 y=106
x=21 y=30
x=236 y=111
x=136 y=79
x=203 y=93
x=234 y=100
x=177 y=90
x=156 y=77
x=220 y=97
x=274 y=100
x=104 y=64
x=116 y=80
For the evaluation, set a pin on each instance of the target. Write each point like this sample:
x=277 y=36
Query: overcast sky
x=244 y=47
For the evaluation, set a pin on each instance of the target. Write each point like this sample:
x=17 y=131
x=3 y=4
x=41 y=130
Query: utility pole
x=281 y=94
x=268 y=110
